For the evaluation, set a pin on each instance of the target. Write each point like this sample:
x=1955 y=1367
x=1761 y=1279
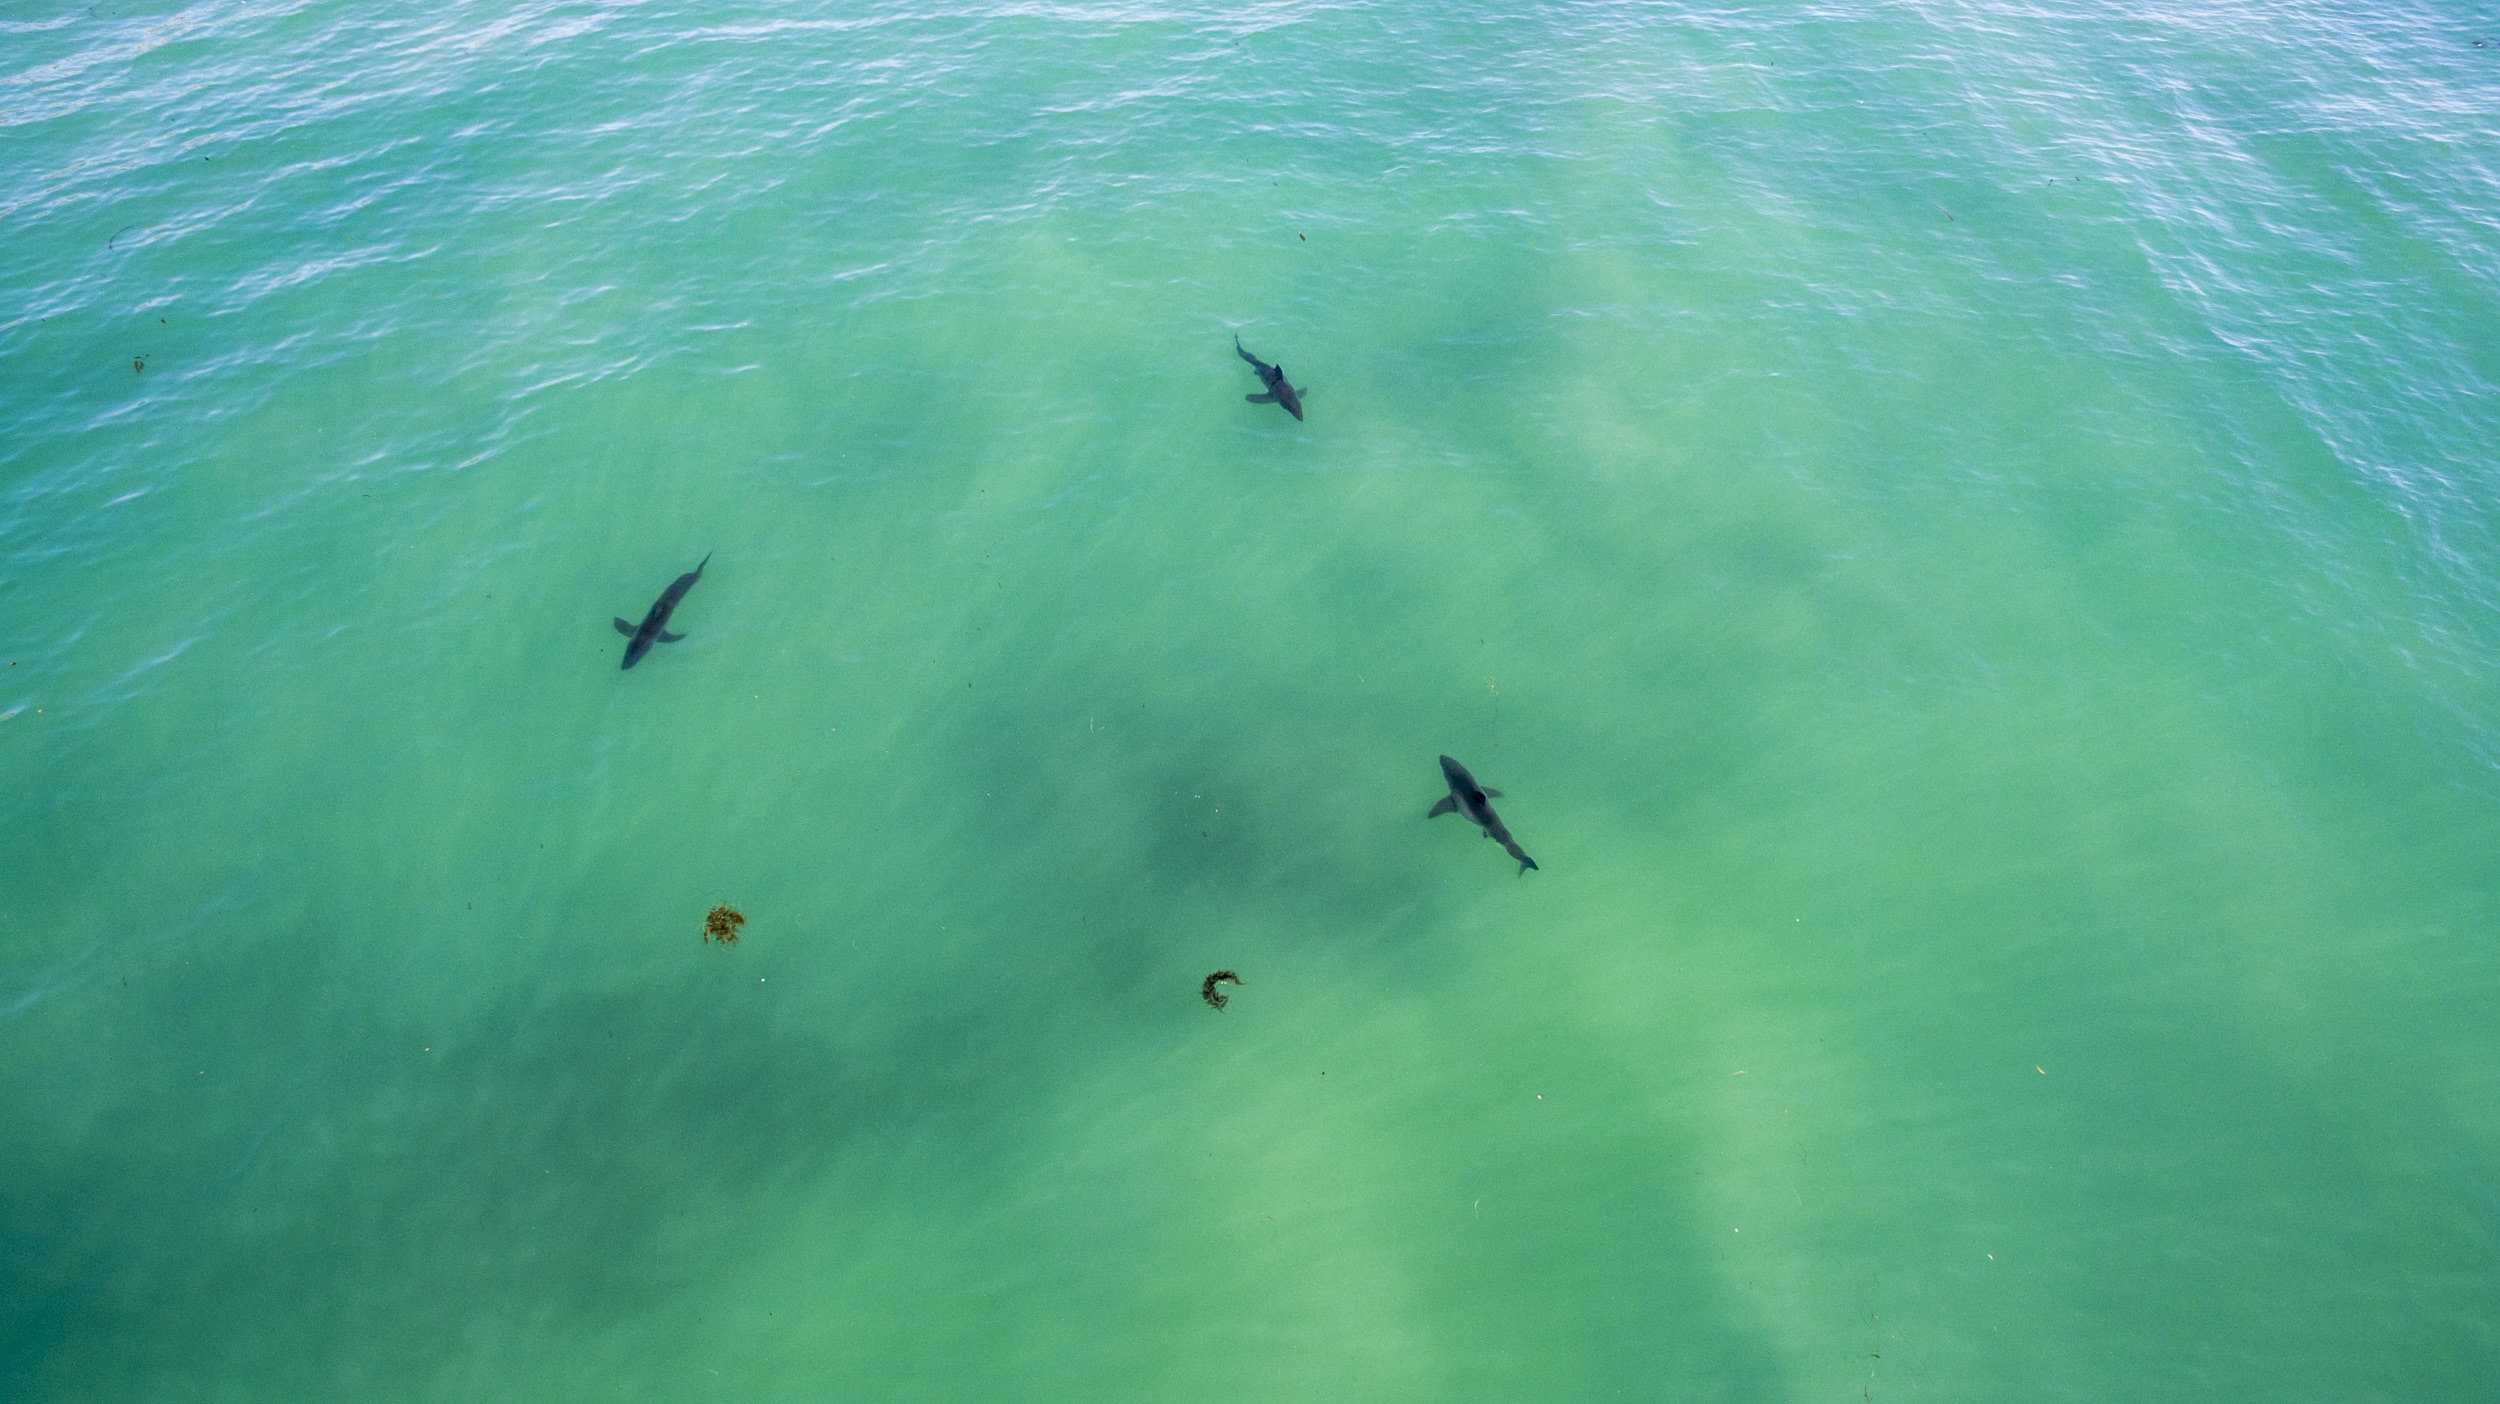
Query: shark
x=1472 y=800
x=1280 y=391
x=654 y=626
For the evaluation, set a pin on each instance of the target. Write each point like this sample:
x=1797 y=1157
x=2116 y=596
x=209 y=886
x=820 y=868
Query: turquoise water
x=1969 y=536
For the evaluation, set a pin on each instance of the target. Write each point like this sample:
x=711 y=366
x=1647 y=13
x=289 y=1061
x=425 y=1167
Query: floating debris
x=1215 y=998
x=722 y=925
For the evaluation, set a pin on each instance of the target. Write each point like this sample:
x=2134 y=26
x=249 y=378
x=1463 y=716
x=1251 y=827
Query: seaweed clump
x=722 y=925
x=1215 y=998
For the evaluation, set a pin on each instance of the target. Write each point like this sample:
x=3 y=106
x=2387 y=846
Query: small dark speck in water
x=722 y=924
x=1215 y=998
x=138 y=363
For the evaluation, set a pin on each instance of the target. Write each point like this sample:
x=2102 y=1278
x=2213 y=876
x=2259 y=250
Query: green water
x=1966 y=536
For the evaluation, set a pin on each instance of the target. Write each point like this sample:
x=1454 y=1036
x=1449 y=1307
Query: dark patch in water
x=1214 y=997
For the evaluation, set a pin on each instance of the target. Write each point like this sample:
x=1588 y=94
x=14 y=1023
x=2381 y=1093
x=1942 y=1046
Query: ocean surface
x=1967 y=534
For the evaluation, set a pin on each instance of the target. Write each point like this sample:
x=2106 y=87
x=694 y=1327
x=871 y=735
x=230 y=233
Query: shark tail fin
x=624 y=628
x=1260 y=399
x=667 y=637
x=1448 y=805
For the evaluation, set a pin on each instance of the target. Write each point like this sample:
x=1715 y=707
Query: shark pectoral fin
x=1491 y=793
x=1260 y=399
x=667 y=637
x=1446 y=806
x=624 y=628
